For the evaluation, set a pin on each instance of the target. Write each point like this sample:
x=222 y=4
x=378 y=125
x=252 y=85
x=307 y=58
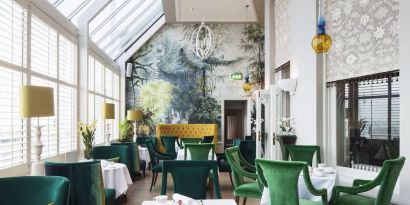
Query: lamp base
x=37 y=169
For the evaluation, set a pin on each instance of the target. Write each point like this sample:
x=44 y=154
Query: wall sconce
x=288 y=85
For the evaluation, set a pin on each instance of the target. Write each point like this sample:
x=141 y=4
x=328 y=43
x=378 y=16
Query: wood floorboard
x=139 y=191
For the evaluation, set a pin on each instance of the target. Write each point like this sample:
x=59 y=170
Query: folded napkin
x=185 y=200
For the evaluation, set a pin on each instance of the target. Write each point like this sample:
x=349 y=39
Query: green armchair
x=184 y=173
x=133 y=152
x=185 y=140
x=240 y=171
x=386 y=179
x=28 y=190
x=169 y=143
x=86 y=185
x=156 y=164
x=248 y=150
x=281 y=177
x=199 y=151
x=303 y=153
x=111 y=152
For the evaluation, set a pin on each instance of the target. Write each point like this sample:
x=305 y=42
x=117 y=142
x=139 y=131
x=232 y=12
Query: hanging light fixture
x=203 y=39
x=322 y=42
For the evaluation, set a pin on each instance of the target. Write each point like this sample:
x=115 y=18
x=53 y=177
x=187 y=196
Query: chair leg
x=244 y=201
x=152 y=182
x=156 y=176
x=211 y=187
x=143 y=172
x=237 y=199
x=230 y=177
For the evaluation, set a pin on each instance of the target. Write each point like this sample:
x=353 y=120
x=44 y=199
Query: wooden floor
x=139 y=191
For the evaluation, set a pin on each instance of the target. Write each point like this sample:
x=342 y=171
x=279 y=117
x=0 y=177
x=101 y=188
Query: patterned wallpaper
x=282 y=44
x=365 y=37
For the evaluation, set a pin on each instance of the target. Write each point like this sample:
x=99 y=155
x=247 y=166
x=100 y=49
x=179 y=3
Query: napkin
x=185 y=200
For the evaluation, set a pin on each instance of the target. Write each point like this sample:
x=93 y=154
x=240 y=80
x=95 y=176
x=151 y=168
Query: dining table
x=144 y=154
x=116 y=176
x=319 y=180
x=199 y=202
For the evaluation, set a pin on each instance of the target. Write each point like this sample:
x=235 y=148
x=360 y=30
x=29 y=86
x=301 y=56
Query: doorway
x=235 y=112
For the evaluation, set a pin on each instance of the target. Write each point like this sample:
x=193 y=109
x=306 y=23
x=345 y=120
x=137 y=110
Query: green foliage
x=146 y=126
x=253 y=44
x=126 y=131
x=156 y=96
x=207 y=110
x=87 y=131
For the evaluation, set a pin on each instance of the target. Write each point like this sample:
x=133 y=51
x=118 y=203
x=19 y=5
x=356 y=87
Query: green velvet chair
x=190 y=177
x=141 y=141
x=30 y=190
x=237 y=142
x=386 y=179
x=169 y=143
x=111 y=152
x=240 y=171
x=185 y=140
x=281 y=178
x=156 y=164
x=133 y=152
x=303 y=153
x=208 y=139
x=86 y=185
x=248 y=150
x=223 y=165
x=199 y=151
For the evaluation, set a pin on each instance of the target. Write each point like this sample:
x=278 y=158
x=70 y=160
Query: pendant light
x=203 y=39
x=322 y=42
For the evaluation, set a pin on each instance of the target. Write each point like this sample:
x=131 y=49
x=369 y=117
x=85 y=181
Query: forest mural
x=173 y=84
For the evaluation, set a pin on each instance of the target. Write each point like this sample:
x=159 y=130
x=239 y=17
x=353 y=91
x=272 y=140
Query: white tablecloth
x=181 y=155
x=116 y=176
x=328 y=181
x=144 y=154
x=204 y=202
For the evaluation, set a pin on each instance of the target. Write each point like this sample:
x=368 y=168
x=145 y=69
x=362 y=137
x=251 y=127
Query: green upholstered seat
x=303 y=153
x=186 y=140
x=190 y=177
x=30 y=190
x=240 y=171
x=208 y=139
x=133 y=152
x=199 y=151
x=112 y=152
x=248 y=150
x=281 y=178
x=169 y=143
x=386 y=179
x=86 y=185
x=155 y=157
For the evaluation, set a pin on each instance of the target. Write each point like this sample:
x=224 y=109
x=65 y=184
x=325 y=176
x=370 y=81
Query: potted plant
x=126 y=131
x=87 y=131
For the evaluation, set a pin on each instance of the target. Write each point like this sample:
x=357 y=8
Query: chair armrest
x=164 y=156
x=312 y=189
x=360 y=188
x=358 y=182
x=247 y=164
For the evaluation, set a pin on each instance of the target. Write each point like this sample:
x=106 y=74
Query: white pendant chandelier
x=203 y=39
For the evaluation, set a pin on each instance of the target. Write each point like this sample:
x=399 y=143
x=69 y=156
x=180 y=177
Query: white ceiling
x=218 y=11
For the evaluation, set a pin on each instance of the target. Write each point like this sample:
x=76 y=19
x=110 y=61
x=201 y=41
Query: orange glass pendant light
x=322 y=42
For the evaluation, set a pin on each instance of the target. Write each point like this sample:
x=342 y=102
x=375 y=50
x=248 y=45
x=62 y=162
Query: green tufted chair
x=303 y=153
x=169 y=143
x=281 y=177
x=190 y=177
x=386 y=179
x=239 y=168
x=86 y=184
x=186 y=140
x=29 y=190
x=133 y=152
x=156 y=164
x=199 y=151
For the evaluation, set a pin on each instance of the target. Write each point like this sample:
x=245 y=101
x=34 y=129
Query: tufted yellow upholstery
x=186 y=130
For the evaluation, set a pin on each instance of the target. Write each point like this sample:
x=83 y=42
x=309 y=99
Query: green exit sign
x=236 y=76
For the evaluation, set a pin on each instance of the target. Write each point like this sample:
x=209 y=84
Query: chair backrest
x=248 y=137
x=152 y=152
x=190 y=177
x=208 y=139
x=303 y=153
x=141 y=141
x=235 y=161
x=133 y=152
x=387 y=178
x=248 y=150
x=281 y=177
x=186 y=140
x=169 y=143
x=111 y=152
x=86 y=184
x=236 y=142
x=27 y=190
x=199 y=151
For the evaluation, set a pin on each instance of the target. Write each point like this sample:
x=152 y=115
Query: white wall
x=404 y=46
x=303 y=67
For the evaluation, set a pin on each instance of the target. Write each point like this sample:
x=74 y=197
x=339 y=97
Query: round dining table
x=327 y=181
x=116 y=176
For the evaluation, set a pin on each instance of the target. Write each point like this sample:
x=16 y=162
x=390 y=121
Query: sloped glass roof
x=118 y=25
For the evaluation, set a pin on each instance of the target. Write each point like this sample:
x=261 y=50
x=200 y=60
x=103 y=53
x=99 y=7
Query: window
x=370 y=108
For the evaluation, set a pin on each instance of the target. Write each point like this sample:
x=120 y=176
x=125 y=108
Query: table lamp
x=135 y=115
x=108 y=113
x=36 y=101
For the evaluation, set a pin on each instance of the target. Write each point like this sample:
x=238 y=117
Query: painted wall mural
x=365 y=37
x=169 y=80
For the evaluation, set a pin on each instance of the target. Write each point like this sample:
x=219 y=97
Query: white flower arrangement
x=286 y=126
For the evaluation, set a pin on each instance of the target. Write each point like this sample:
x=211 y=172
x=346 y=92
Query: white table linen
x=181 y=155
x=319 y=182
x=144 y=154
x=116 y=176
x=204 y=202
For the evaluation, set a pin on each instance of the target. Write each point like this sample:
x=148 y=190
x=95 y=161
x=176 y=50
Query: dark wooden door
x=233 y=126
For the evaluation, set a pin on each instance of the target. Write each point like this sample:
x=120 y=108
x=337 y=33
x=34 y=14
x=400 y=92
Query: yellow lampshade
x=36 y=101
x=108 y=111
x=321 y=43
x=134 y=115
x=247 y=87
